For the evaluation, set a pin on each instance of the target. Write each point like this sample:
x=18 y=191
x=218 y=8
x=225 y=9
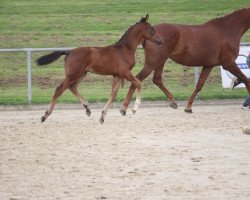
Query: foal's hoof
x=43 y=119
x=101 y=120
x=173 y=105
x=123 y=112
x=188 y=110
x=88 y=113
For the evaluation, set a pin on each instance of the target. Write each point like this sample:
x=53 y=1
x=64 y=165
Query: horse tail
x=49 y=58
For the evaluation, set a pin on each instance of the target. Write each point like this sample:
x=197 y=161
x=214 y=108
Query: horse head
x=148 y=32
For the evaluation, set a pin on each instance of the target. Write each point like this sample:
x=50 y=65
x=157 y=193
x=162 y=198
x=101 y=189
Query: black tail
x=49 y=58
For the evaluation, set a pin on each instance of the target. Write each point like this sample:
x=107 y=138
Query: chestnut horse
x=116 y=60
x=210 y=44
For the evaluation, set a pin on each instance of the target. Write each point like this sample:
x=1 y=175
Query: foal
x=210 y=44
x=116 y=60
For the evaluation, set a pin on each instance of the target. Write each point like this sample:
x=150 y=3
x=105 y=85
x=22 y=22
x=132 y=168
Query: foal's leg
x=115 y=86
x=157 y=79
x=129 y=76
x=58 y=92
x=73 y=89
x=144 y=73
x=203 y=77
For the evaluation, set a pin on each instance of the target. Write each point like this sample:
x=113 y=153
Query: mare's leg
x=73 y=89
x=232 y=68
x=115 y=86
x=157 y=79
x=144 y=73
x=130 y=77
x=203 y=77
x=58 y=92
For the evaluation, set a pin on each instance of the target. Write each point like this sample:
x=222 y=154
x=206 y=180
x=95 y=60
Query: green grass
x=36 y=24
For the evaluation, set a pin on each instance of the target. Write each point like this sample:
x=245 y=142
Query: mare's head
x=147 y=32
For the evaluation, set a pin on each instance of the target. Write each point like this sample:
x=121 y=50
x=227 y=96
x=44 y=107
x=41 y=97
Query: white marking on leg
x=137 y=104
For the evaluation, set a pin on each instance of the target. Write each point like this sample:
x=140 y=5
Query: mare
x=213 y=43
x=116 y=60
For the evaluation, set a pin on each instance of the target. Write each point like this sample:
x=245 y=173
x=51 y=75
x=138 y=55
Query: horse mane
x=124 y=36
x=236 y=12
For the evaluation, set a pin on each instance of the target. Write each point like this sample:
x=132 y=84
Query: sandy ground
x=157 y=154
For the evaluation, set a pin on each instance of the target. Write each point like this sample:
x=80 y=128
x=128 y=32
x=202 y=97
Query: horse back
x=194 y=45
x=108 y=60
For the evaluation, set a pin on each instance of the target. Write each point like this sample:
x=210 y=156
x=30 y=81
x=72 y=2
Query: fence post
x=196 y=78
x=196 y=75
x=29 y=76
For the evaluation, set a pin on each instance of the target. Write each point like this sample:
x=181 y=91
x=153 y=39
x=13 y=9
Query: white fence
x=30 y=50
x=28 y=53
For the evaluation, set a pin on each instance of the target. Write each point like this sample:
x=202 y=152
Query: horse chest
x=127 y=61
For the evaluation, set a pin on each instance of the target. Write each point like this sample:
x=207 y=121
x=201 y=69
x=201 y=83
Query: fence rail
x=28 y=55
x=30 y=50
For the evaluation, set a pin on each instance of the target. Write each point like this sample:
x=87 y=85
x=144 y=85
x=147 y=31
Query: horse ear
x=145 y=19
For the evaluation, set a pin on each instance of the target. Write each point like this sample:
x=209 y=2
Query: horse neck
x=131 y=40
x=238 y=22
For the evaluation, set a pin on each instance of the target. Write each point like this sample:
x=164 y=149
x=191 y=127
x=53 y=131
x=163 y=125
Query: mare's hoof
x=43 y=119
x=88 y=113
x=188 y=110
x=101 y=120
x=123 y=112
x=173 y=105
x=133 y=111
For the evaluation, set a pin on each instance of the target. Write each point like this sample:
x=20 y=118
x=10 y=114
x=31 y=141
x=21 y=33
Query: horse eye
x=151 y=31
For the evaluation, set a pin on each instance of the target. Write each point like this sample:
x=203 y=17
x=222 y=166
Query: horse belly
x=196 y=56
x=97 y=69
x=103 y=67
x=100 y=64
